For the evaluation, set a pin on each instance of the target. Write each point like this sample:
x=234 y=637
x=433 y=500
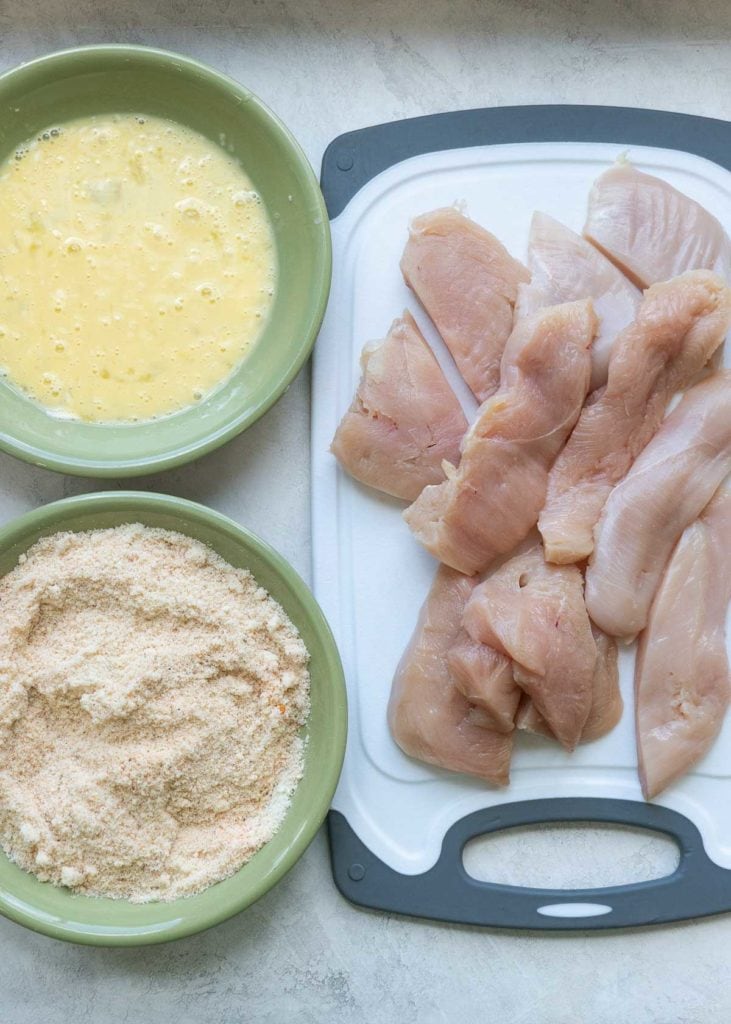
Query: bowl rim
x=305 y=339
x=329 y=765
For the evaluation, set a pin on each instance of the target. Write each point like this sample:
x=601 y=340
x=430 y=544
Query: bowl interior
x=129 y=79
x=55 y=911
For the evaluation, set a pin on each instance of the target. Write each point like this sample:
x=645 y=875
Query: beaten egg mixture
x=137 y=267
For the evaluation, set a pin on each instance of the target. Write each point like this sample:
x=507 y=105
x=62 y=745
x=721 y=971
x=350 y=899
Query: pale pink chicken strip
x=485 y=677
x=529 y=719
x=428 y=716
x=565 y=267
x=479 y=715
x=667 y=488
x=404 y=419
x=534 y=613
x=679 y=326
x=492 y=500
x=467 y=282
x=606 y=698
x=682 y=672
x=650 y=230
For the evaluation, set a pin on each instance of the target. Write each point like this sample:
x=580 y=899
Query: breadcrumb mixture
x=151 y=698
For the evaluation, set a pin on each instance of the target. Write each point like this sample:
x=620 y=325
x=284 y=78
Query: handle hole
x=573 y=855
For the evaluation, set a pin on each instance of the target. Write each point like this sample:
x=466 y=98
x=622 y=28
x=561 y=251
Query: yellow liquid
x=137 y=267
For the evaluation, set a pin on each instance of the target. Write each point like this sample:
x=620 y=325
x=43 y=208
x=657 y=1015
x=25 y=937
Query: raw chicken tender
x=529 y=719
x=485 y=677
x=652 y=231
x=565 y=267
x=492 y=500
x=667 y=488
x=534 y=613
x=682 y=672
x=467 y=282
x=679 y=326
x=606 y=699
x=428 y=716
x=404 y=419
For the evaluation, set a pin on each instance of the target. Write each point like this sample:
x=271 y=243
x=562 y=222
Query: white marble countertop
x=302 y=953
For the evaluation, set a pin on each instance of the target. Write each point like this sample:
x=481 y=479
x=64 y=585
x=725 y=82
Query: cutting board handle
x=448 y=893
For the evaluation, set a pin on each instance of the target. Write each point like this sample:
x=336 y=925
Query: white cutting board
x=370 y=576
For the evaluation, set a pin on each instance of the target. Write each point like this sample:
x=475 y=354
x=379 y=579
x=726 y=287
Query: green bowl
x=103 y=922
x=110 y=79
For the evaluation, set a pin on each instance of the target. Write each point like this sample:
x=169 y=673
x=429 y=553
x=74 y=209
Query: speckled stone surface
x=302 y=954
